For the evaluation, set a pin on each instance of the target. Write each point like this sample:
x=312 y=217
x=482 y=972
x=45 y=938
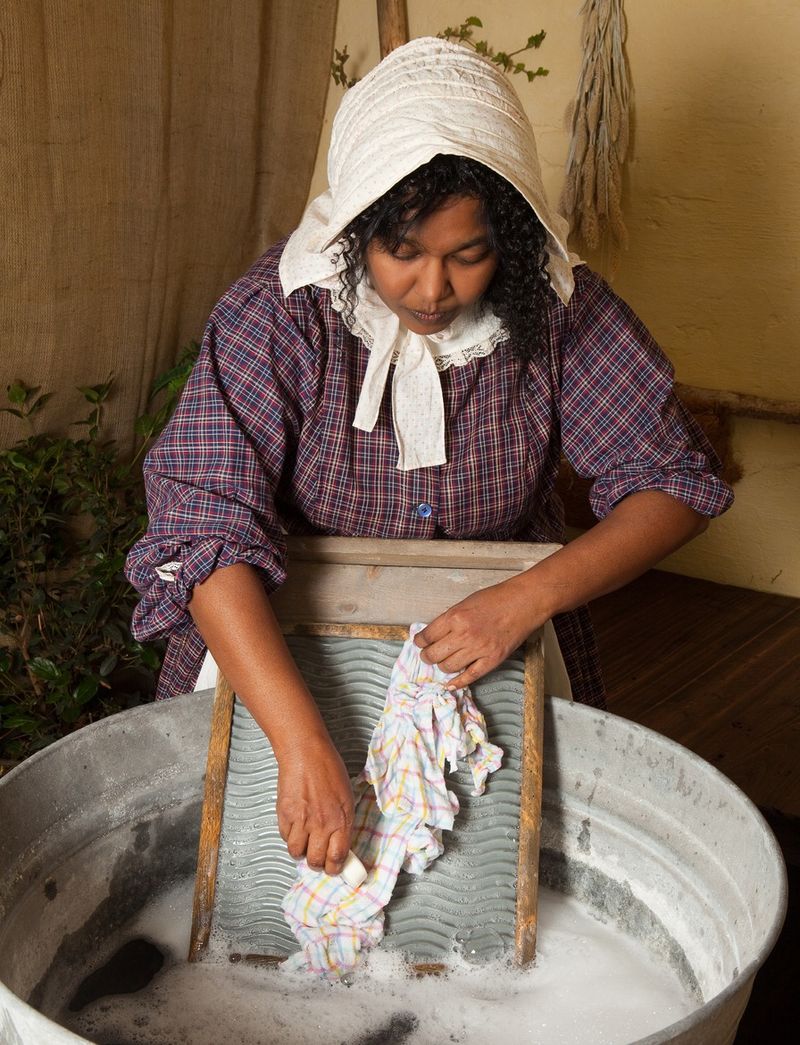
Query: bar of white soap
x=353 y=872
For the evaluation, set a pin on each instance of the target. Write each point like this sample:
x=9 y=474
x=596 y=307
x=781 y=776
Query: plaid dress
x=262 y=444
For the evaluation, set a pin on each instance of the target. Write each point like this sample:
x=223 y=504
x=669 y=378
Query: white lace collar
x=417 y=401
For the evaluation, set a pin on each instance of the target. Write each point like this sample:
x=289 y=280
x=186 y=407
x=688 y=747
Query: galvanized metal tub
x=636 y=826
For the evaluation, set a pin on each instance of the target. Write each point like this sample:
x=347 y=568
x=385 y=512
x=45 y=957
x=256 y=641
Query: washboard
x=345 y=610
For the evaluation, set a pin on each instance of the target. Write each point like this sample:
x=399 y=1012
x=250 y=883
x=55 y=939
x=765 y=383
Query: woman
x=411 y=363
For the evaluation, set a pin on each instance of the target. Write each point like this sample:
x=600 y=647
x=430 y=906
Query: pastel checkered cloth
x=402 y=805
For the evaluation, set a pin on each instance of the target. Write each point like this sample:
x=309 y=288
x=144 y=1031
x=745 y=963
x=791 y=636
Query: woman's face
x=442 y=267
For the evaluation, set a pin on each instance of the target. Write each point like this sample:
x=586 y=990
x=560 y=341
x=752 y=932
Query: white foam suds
x=591 y=985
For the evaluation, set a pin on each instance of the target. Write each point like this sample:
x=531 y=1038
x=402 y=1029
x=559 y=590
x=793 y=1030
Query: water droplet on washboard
x=479 y=944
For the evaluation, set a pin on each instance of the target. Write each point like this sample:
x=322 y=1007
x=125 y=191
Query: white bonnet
x=426 y=98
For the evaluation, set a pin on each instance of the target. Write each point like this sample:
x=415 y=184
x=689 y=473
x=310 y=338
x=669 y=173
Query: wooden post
x=211 y=823
x=392 y=25
x=530 y=811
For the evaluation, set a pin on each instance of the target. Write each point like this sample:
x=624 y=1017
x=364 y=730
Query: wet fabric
x=402 y=807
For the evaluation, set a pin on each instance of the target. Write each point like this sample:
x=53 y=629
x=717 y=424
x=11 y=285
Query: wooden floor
x=714 y=667
x=718 y=669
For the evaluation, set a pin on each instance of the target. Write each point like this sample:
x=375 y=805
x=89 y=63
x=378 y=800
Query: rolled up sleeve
x=211 y=478
x=622 y=424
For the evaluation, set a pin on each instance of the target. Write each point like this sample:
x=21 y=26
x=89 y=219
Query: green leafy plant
x=463 y=34
x=338 y=68
x=70 y=508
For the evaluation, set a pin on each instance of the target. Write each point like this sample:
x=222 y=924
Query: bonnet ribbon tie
x=417 y=401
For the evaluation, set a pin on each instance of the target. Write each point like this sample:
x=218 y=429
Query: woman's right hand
x=315 y=803
x=315 y=799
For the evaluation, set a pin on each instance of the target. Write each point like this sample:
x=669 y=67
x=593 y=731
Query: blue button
x=424 y=510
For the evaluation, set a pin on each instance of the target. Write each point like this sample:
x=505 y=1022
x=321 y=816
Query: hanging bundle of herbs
x=600 y=120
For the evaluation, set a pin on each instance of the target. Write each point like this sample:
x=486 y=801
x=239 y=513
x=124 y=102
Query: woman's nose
x=432 y=282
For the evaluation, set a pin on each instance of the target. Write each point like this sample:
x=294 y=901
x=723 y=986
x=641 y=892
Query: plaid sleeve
x=622 y=424
x=211 y=477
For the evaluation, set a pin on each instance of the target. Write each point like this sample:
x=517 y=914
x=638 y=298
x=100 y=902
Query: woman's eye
x=404 y=254
x=472 y=259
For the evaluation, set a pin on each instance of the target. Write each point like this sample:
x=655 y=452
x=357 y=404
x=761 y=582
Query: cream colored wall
x=713 y=214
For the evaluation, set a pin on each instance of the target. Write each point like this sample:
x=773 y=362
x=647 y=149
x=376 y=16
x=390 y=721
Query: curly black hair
x=520 y=287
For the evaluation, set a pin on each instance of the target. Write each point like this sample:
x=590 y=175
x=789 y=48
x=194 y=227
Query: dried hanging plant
x=600 y=123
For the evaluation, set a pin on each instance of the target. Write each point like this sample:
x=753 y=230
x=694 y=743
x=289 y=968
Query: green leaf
x=150 y=657
x=97 y=393
x=70 y=713
x=18 y=393
x=44 y=669
x=183 y=368
x=108 y=665
x=37 y=405
x=112 y=633
x=86 y=690
x=21 y=720
x=144 y=426
x=474 y=21
x=17 y=460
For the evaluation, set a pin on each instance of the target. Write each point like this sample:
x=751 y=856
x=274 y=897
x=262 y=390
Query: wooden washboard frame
x=373 y=589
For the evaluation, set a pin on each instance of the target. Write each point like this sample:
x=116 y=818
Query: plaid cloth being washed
x=402 y=805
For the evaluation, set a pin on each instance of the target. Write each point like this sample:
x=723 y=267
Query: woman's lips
x=431 y=317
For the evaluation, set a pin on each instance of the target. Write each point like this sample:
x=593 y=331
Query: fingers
x=472 y=673
x=325 y=848
x=439 y=645
x=474 y=636
x=315 y=804
x=463 y=665
x=328 y=852
x=446 y=658
x=295 y=836
x=338 y=848
x=438 y=633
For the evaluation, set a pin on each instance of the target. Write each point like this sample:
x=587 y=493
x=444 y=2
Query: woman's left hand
x=478 y=633
x=481 y=631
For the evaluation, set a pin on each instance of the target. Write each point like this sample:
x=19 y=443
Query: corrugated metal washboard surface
x=465 y=900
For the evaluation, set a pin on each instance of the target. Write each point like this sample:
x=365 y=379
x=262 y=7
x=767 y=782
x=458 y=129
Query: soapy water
x=591 y=985
x=479 y=944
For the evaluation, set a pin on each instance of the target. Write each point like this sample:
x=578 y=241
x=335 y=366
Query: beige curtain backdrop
x=150 y=150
